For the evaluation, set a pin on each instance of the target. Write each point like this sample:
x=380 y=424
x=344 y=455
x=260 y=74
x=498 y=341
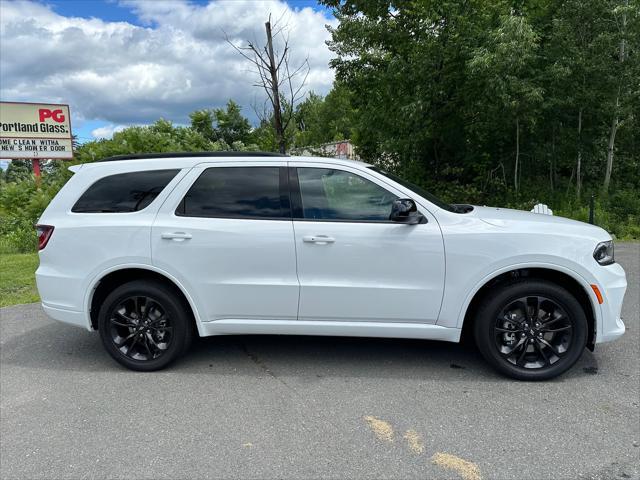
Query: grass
x=17 y=278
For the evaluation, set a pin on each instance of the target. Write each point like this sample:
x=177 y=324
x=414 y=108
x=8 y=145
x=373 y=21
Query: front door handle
x=177 y=236
x=321 y=239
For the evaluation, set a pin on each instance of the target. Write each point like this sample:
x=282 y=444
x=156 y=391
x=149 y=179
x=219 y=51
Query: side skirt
x=334 y=329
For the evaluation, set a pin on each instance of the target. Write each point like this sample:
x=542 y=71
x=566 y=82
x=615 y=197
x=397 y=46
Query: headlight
x=604 y=253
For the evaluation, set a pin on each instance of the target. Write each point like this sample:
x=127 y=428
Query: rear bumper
x=71 y=317
x=61 y=297
x=59 y=289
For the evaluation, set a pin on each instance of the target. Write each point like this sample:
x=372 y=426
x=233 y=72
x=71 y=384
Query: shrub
x=21 y=204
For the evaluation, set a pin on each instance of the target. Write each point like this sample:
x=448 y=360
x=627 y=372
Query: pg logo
x=55 y=115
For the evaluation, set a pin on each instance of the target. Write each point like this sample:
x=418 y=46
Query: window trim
x=283 y=190
x=296 y=197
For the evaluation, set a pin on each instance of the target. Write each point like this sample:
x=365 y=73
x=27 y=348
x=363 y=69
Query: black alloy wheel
x=531 y=329
x=145 y=325
x=140 y=328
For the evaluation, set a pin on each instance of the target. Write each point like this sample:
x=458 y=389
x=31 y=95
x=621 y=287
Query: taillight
x=44 y=234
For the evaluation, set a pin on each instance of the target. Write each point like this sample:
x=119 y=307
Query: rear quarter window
x=124 y=192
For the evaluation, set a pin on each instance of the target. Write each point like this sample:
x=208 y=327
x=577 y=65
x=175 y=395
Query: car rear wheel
x=531 y=329
x=144 y=325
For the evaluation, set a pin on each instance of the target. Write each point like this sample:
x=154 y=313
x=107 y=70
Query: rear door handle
x=318 y=239
x=177 y=236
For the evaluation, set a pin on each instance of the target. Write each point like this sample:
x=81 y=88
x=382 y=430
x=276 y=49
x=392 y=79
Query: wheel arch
x=571 y=282
x=107 y=281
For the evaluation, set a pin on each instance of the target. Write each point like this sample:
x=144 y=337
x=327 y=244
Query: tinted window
x=419 y=190
x=125 y=192
x=236 y=192
x=338 y=195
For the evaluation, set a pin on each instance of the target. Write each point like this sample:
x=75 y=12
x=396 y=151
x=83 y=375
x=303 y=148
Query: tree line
x=508 y=100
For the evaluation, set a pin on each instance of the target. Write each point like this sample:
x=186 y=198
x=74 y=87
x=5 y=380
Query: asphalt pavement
x=312 y=407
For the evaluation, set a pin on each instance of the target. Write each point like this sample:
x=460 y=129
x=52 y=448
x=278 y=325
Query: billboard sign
x=35 y=130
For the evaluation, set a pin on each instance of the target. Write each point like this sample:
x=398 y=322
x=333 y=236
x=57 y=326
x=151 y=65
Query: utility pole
x=35 y=163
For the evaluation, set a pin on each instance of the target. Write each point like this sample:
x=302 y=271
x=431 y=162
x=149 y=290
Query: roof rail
x=142 y=156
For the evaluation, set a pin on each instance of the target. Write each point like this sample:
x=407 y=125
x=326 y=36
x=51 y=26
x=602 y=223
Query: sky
x=129 y=62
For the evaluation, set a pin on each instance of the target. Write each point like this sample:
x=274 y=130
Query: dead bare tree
x=282 y=84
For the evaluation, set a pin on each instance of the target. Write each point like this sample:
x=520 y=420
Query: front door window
x=329 y=194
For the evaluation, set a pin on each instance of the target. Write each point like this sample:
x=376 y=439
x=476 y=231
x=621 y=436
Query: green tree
x=459 y=95
x=321 y=120
x=507 y=64
x=161 y=136
x=231 y=125
x=405 y=66
x=589 y=86
x=625 y=72
x=226 y=125
x=18 y=170
x=202 y=122
x=308 y=121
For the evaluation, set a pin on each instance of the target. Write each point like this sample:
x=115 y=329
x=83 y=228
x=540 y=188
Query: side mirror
x=404 y=210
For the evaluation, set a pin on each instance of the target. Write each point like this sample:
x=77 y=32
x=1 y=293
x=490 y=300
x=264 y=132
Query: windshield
x=419 y=190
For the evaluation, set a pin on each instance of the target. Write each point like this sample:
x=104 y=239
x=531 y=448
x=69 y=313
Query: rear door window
x=124 y=192
x=238 y=192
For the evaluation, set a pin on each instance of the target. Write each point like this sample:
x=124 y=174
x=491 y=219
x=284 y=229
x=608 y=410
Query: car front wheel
x=531 y=329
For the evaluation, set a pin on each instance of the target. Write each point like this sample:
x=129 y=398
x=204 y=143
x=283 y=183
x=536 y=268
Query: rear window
x=124 y=192
x=237 y=192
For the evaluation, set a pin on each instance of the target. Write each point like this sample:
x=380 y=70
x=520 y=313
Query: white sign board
x=35 y=130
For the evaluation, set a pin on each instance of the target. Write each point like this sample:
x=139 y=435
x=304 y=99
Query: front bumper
x=612 y=333
x=613 y=283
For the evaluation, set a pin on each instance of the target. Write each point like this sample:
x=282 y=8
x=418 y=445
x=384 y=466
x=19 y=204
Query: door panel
x=352 y=269
x=243 y=267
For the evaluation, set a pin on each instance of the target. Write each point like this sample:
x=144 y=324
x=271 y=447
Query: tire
x=145 y=325
x=506 y=326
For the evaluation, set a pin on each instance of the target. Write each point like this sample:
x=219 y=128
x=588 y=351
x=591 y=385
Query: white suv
x=149 y=249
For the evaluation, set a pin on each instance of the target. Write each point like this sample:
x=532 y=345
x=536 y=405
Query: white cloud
x=106 y=131
x=123 y=73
